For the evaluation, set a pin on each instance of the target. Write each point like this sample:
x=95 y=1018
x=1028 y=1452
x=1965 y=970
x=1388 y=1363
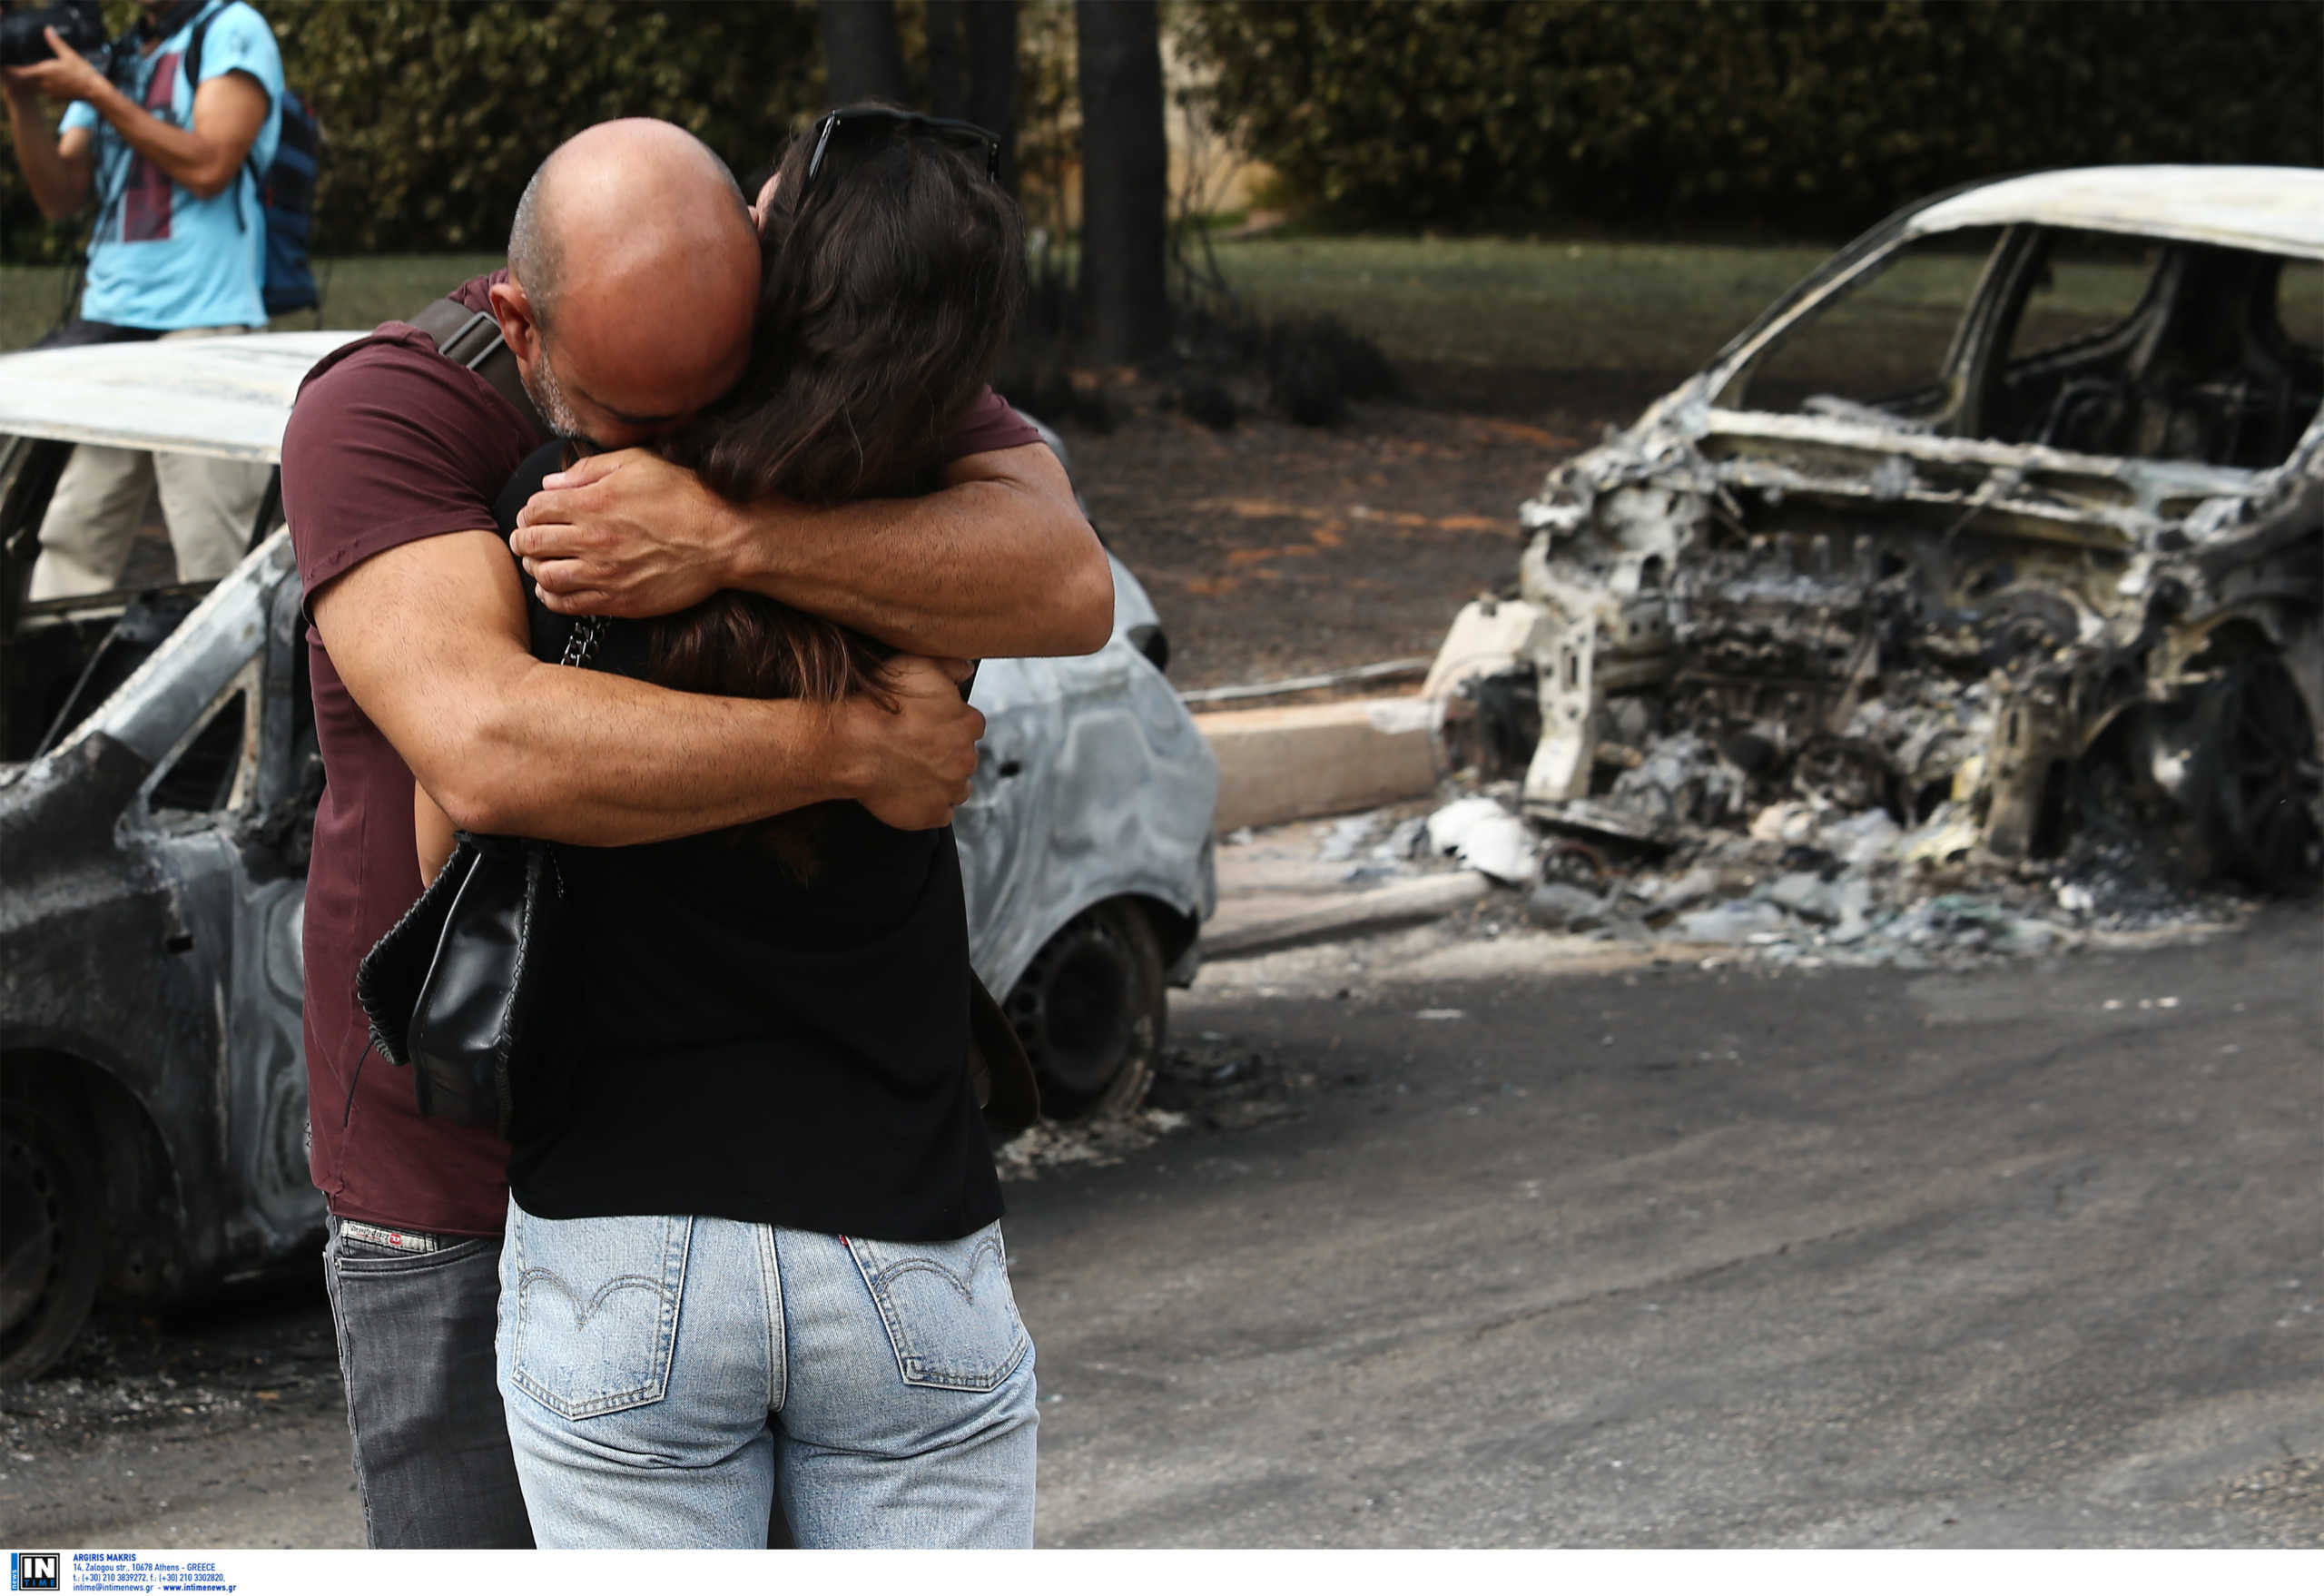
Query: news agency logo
x=34 y=1571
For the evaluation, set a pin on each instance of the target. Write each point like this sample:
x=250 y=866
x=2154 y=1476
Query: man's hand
x=626 y=534
x=56 y=167
x=916 y=761
x=1000 y=562
x=67 y=78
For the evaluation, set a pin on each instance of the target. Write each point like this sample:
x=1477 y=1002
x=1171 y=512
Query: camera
x=80 y=23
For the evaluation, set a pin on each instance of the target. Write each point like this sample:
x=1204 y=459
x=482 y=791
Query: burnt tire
x=1092 y=1009
x=52 y=1232
x=2255 y=759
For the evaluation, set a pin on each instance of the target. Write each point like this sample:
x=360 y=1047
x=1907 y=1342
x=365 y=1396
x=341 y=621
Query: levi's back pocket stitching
x=596 y=1310
x=950 y=1315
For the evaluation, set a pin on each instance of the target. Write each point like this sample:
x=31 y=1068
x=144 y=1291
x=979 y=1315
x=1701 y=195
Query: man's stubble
x=548 y=395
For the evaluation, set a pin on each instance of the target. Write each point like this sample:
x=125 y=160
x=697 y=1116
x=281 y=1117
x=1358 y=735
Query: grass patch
x=1588 y=306
x=1601 y=307
x=361 y=291
x=1481 y=302
x=1581 y=307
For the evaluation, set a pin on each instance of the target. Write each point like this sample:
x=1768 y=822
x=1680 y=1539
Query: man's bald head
x=635 y=272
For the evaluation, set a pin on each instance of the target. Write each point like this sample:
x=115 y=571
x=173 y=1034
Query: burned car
x=2008 y=520
x=157 y=800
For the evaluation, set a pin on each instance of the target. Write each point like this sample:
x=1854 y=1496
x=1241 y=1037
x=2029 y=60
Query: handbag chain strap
x=581 y=647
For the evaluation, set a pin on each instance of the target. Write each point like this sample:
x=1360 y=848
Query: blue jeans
x=666 y=1376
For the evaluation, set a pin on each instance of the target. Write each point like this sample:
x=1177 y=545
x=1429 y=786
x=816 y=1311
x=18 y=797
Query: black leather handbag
x=456 y=988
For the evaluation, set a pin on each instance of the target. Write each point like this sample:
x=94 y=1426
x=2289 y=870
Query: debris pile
x=1690 y=847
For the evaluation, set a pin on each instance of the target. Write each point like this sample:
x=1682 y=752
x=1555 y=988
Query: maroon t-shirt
x=389 y=442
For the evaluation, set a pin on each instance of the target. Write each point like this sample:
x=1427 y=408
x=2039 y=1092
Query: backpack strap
x=472 y=338
x=191 y=67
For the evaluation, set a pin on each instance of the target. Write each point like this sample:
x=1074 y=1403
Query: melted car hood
x=228 y=397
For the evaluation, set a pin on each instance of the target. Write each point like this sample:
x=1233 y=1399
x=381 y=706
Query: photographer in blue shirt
x=177 y=251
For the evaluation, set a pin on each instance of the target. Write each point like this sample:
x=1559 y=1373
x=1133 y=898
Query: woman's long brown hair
x=888 y=290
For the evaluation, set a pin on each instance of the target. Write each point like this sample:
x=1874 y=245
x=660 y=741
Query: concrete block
x=1241 y=930
x=1292 y=764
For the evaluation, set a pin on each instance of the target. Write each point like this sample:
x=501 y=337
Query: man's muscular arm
x=999 y=563
x=429 y=636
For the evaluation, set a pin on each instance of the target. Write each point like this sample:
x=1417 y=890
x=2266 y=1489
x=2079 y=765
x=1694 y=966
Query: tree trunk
x=972 y=69
x=992 y=77
x=948 y=66
x=1124 y=178
x=861 y=56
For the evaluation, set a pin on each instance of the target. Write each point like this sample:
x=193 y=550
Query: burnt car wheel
x=1091 y=1008
x=2258 y=751
x=52 y=1233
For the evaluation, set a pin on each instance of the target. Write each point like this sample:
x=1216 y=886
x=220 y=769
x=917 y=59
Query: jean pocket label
x=947 y=1308
x=596 y=1309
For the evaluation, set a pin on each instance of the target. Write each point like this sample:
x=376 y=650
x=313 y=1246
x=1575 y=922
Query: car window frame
x=246 y=685
x=1727 y=381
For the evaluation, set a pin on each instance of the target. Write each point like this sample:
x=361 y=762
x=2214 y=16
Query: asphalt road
x=2031 y=1255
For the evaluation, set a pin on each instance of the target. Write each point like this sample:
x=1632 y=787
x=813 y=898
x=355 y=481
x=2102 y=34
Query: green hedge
x=1786 y=115
x=435 y=112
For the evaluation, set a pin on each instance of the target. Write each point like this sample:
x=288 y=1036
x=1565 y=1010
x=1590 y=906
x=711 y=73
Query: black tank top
x=744 y=1040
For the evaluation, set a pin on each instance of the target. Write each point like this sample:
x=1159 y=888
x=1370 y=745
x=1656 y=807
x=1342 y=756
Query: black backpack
x=286 y=190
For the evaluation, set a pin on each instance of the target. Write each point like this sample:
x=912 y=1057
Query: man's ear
x=514 y=310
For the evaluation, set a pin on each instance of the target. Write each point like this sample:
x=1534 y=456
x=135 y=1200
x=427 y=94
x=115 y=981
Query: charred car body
x=155 y=808
x=2009 y=519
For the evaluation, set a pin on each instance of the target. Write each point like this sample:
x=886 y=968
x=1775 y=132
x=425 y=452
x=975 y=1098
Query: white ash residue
x=1049 y=1145
x=1810 y=880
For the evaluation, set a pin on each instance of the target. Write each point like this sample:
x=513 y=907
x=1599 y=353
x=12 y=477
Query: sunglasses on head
x=867 y=125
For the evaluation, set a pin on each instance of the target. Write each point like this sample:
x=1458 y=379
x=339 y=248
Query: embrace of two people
x=740 y=1247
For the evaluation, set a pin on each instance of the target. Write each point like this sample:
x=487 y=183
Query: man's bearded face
x=548 y=395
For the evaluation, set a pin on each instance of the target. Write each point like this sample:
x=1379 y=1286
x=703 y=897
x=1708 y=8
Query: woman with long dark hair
x=752 y=1246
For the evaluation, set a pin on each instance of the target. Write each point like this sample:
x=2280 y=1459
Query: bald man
x=627 y=302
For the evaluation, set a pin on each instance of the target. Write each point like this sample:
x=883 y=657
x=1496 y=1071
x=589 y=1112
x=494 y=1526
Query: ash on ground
x=257 y=1351
x=2281 y=1502
x=1219 y=1083
x=1692 y=846
x=1210 y=1082
x=1108 y=1139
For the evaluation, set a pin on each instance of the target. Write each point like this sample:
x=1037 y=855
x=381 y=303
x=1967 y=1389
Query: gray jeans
x=432 y=1460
